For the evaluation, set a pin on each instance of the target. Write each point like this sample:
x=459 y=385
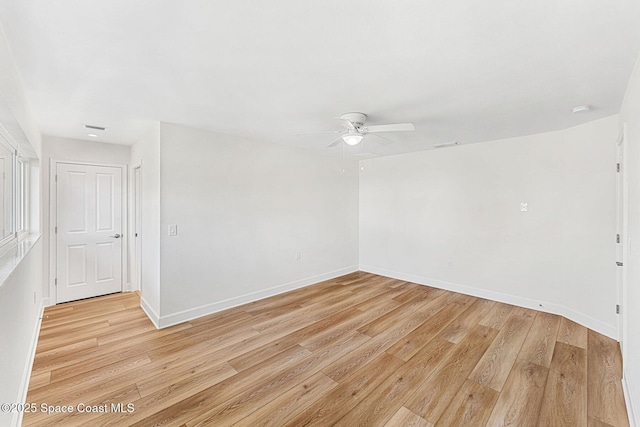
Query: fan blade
x=368 y=153
x=350 y=124
x=335 y=142
x=390 y=128
x=386 y=140
x=318 y=132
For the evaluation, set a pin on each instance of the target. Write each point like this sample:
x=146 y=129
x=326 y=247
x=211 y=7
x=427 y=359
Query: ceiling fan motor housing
x=357 y=119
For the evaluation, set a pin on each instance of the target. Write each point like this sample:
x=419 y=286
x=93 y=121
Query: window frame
x=21 y=225
x=8 y=183
x=16 y=183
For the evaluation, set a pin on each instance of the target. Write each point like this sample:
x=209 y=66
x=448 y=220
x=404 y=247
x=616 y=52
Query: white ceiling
x=463 y=70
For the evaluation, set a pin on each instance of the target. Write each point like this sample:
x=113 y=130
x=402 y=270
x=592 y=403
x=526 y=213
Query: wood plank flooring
x=357 y=350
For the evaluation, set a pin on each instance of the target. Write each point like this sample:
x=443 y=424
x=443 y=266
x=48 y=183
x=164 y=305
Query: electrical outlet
x=524 y=207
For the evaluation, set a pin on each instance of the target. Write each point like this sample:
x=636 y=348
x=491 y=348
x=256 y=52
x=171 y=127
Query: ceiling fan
x=355 y=129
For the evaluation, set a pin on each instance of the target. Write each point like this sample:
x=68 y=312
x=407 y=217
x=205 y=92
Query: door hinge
x=617 y=308
x=55 y=281
x=617 y=238
x=56 y=179
x=617 y=167
x=56 y=229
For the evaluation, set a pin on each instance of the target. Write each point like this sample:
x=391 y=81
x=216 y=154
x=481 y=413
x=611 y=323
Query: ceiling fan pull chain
x=343 y=166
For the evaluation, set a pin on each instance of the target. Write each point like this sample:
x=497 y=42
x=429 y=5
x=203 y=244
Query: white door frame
x=135 y=251
x=53 y=202
x=622 y=226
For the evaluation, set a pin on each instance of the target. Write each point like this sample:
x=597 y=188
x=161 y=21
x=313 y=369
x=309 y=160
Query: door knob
x=117 y=236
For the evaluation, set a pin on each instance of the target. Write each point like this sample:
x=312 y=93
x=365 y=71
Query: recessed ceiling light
x=582 y=108
x=95 y=127
x=92 y=135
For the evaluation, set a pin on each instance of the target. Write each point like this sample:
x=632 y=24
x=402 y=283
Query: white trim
x=561 y=310
x=26 y=372
x=203 y=310
x=53 y=295
x=622 y=322
x=53 y=200
x=633 y=416
x=25 y=209
x=150 y=312
x=9 y=189
x=134 y=282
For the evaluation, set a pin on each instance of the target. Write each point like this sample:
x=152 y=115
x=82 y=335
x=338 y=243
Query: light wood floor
x=357 y=350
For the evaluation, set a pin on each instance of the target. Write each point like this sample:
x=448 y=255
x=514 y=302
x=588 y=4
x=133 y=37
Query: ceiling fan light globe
x=352 y=139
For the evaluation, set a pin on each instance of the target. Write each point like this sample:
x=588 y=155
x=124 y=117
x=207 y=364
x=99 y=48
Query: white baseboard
x=203 y=310
x=150 y=312
x=561 y=310
x=631 y=411
x=26 y=376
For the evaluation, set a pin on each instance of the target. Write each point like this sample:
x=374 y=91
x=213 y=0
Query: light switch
x=173 y=230
x=524 y=207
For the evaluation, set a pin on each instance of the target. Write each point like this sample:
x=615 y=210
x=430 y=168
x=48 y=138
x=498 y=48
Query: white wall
x=71 y=150
x=630 y=114
x=20 y=307
x=21 y=291
x=243 y=209
x=146 y=152
x=15 y=113
x=451 y=218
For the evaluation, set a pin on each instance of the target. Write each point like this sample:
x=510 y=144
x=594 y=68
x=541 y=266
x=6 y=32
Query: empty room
x=299 y=213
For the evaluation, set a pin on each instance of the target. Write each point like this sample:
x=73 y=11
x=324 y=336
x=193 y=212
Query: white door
x=89 y=229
